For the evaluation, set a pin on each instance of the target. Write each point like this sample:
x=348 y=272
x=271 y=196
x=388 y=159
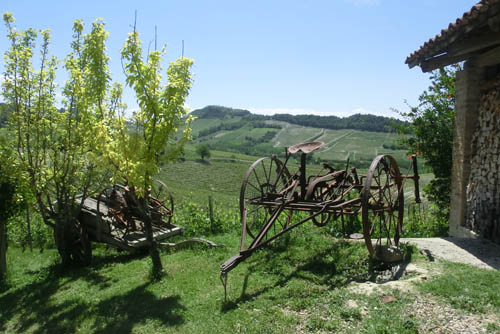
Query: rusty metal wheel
x=265 y=184
x=161 y=202
x=382 y=204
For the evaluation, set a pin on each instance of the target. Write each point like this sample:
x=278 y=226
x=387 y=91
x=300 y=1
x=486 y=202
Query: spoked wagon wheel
x=382 y=204
x=266 y=181
x=81 y=249
x=161 y=202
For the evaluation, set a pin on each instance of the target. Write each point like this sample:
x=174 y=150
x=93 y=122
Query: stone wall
x=483 y=189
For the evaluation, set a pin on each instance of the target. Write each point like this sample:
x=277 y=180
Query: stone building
x=473 y=39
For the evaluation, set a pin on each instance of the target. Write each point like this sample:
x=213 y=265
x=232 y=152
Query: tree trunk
x=60 y=237
x=28 y=225
x=157 y=269
x=3 y=249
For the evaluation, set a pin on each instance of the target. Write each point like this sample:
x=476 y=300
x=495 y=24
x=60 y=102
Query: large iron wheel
x=81 y=249
x=161 y=202
x=266 y=182
x=382 y=204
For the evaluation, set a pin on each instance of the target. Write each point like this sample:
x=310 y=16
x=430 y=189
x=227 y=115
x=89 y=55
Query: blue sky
x=335 y=57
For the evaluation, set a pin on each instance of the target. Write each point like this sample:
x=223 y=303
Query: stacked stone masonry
x=483 y=189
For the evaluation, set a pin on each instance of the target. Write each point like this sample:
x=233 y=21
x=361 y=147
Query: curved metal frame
x=163 y=204
x=382 y=204
x=272 y=187
x=333 y=195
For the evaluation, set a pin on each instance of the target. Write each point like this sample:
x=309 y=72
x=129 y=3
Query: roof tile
x=477 y=16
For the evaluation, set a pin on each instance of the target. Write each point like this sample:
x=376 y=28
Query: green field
x=221 y=176
x=360 y=147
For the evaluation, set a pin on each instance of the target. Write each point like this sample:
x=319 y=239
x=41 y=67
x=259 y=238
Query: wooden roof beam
x=443 y=60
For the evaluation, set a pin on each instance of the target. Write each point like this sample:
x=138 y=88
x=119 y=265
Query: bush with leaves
x=430 y=131
x=203 y=151
x=11 y=199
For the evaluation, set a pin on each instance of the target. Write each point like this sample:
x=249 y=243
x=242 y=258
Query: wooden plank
x=91 y=205
x=139 y=240
x=443 y=60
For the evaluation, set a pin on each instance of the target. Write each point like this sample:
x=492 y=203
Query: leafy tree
x=431 y=134
x=160 y=114
x=203 y=151
x=61 y=151
x=10 y=199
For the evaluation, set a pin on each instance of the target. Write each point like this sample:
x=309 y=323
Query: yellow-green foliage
x=60 y=151
x=161 y=107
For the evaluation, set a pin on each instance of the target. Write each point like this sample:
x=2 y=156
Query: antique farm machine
x=270 y=195
x=115 y=218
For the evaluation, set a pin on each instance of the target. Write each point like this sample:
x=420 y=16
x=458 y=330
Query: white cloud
x=364 y=2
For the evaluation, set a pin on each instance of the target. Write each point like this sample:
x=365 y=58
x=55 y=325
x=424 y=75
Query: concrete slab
x=478 y=252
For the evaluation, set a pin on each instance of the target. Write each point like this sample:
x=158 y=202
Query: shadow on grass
x=31 y=304
x=329 y=268
x=119 y=314
x=53 y=302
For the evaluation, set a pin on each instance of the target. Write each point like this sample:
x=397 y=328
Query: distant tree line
x=395 y=146
x=264 y=139
x=219 y=112
x=264 y=125
x=354 y=122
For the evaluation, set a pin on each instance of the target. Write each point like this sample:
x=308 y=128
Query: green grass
x=305 y=272
x=298 y=284
x=466 y=287
x=195 y=180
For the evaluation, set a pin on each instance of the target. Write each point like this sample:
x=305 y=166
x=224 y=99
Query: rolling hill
x=239 y=131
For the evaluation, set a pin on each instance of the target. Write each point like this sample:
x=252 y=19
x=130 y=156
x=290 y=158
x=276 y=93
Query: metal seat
x=305 y=147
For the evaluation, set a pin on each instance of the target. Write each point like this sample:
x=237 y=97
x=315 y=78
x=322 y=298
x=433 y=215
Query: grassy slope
x=358 y=146
x=221 y=176
x=298 y=285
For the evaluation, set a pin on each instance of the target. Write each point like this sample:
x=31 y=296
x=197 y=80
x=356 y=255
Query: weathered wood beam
x=441 y=61
x=473 y=44
x=489 y=58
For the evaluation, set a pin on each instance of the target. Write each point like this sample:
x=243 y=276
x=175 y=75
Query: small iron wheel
x=264 y=184
x=382 y=204
x=327 y=190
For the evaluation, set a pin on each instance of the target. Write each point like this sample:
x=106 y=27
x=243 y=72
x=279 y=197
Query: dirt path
x=434 y=315
x=279 y=133
x=328 y=145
